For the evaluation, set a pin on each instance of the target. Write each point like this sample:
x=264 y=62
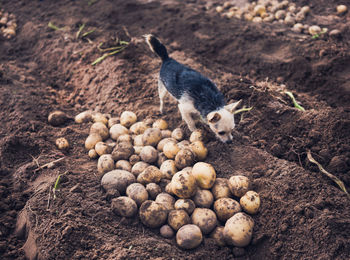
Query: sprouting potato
x=183 y=185
x=238 y=230
x=98 y=117
x=117 y=179
x=170 y=150
x=123 y=165
x=160 y=124
x=83 y=117
x=221 y=189
x=205 y=219
x=137 y=192
x=149 y=154
x=102 y=148
x=100 y=129
x=163 y=142
x=203 y=199
x=166 y=133
x=57 y=118
x=168 y=169
x=149 y=175
x=250 y=202
x=125 y=138
x=138 y=168
x=178 y=218
x=178 y=134
x=166 y=199
x=184 y=158
x=122 y=151
x=153 y=190
x=127 y=118
x=151 y=136
x=226 y=208
x=124 y=206
x=238 y=185
x=153 y=214
x=92 y=140
x=138 y=140
x=134 y=159
x=218 y=236
x=105 y=163
x=205 y=175
x=189 y=236
x=92 y=154
x=62 y=143
x=166 y=231
x=196 y=135
x=185 y=204
x=112 y=121
x=199 y=150
x=138 y=128
x=117 y=130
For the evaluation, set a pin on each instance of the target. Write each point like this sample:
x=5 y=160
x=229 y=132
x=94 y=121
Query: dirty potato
x=138 y=128
x=205 y=175
x=123 y=165
x=220 y=189
x=205 y=219
x=184 y=158
x=149 y=154
x=62 y=143
x=226 y=208
x=153 y=214
x=238 y=185
x=138 y=140
x=163 y=142
x=178 y=218
x=105 y=164
x=134 y=159
x=124 y=206
x=117 y=130
x=92 y=154
x=149 y=175
x=250 y=202
x=153 y=190
x=100 y=129
x=138 y=168
x=218 y=236
x=168 y=169
x=238 y=230
x=189 y=236
x=166 y=231
x=185 y=204
x=170 y=150
x=125 y=138
x=196 y=135
x=166 y=199
x=166 y=133
x=137 y=192
x=92 y=140
x=117 y=179
x=127 y=118
x=183 y=185
x=199 y=150
x=178 y=134
x=151 y=136
x=57 y=118
x=160 y=124
x=203 y=199
x=102 y=148
x=83 y=117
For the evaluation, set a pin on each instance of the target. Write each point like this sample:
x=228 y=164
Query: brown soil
x=304 y=215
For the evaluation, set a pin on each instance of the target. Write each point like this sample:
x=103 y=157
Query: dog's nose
x=229 y=141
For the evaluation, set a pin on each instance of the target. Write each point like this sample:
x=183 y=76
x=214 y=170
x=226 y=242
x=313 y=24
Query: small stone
x=62 y=143
x=57 y=118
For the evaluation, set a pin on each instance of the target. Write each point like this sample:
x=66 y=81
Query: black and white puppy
x=194 y=92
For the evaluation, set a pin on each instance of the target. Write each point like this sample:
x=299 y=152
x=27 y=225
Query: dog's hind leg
x=186 y=110
x=162 y=93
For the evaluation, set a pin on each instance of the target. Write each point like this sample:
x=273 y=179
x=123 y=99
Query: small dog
x=194 y=92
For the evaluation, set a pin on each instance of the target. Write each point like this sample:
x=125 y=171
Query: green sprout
x=110 y=51
x=54 y=27
x=295 y=103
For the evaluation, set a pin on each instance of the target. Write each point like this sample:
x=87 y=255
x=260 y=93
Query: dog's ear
x=213 y=117
x=232 y=107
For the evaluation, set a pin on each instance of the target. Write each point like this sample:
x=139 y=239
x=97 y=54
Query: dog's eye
x=222 y=133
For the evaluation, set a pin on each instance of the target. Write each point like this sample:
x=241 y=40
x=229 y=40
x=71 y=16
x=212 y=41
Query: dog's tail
x=156 y=46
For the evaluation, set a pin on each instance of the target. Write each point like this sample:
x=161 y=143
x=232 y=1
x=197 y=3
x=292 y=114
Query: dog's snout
x=229 y=141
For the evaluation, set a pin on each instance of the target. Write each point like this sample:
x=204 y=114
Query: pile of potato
x=149 y=170
x=274 y=11
x=8 y=24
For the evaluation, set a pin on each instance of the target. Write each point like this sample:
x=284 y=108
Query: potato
x=238 y=230
x=57 y=118
x=148 y=121
x=185 y=204
x=170 y=150
x=161 y=158
x=62 y=143
x=184 y=158
x=117 y=130
x=178 y=218
x=92 y=154
x=138 y=128
x=163 y=142
x=166 y=199
x=250 y=202
x=151 y=136
x=150 y=174
x=105 y=164
x=127 y=118
x=205 y=175
x=203 y=199
x=183 y=144
x=134 y=159
x=138 y=140
x=153 y=214
x=220 y=189
x=168 y=189
x=149 y=154
x=341 y=9
x=196 y=135
x=226 y=208
x=238 y=185
x=314 y=29
x=102 y=148
x=160 y=124
x=92 y=140
x=168 y=169
x=178 y=134
x=138 y=149
x=199 y=150
x=137 y=192
x=166 y=133
x=205 y=219
x=113 y=121
x=124 y=206
x=100 y=129
x=83 y=117
x=138 y=168
x=117 y=179
x=189 y=236
x=153 y=190
x=218 y=236
x=123 y=165
x=166 y=231
x=125 y=138
x=183 y=185
x=98 y=117
x=122 y=151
